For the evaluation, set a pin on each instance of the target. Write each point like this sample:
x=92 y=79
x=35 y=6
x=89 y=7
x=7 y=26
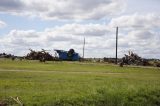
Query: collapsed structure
x=70 y=55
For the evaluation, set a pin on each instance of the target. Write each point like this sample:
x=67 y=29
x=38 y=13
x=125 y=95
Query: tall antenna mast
x=116 y=43
x=83 y=46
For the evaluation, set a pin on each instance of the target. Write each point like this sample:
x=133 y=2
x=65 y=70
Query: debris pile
x=42 y=55
x=134 y=59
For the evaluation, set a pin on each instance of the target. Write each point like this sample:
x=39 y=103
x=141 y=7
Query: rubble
x=42 y=55
x=133 y=59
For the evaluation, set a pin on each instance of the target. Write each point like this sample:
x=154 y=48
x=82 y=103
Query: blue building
x=70 y=55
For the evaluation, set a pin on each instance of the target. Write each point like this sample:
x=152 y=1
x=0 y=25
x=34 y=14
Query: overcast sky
x=63 y=24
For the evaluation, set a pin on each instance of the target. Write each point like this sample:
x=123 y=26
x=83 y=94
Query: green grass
x=78 y=84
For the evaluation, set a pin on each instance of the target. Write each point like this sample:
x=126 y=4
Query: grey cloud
x=63 y=9
x=59 y=38
x=141 y=34
x=94 y=32
x=10 y=5
x=89 y=5
x=137 y=21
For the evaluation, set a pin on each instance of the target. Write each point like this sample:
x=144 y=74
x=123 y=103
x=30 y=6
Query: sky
x=63 y=24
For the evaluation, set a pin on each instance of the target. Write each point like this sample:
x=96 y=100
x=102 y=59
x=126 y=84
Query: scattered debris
x=121 y=64
x=11 y=101
x=3 y=103
x=109 y=60
x=16 y=99
x=10 y=56
x=156 y=63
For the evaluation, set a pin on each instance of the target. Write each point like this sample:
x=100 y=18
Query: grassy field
x=78 y=84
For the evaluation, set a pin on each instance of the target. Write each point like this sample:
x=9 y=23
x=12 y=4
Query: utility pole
x=83 y=47
x=116 y=43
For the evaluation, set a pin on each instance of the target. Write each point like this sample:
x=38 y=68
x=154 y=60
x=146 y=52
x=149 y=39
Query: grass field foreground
x=78 y=84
